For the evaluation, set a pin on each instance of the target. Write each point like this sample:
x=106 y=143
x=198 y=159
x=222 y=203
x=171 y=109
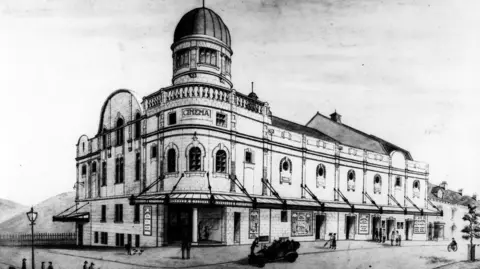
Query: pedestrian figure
x=85 y=265
x=43 y=265
x=384 y=236
x=392 y=237
x=253 y=246
x=334 y=242
x=24 y=263
x=128 y=248
x=399 y=237
x=184 y=244
x=380 y=237
x=92 y=266
x=50 y=265
x=375 y=235
x=329 y=241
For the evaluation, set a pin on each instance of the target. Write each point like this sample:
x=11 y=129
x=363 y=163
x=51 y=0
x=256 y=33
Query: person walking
x=85 y=265
x=50 y=265
x=185 y=245
x=24 y=263
x=92 y=266
x=329 y=241
x=43 y=265
x=334 y=242
x=253 y=246
x=392 y=237
x=380 y=237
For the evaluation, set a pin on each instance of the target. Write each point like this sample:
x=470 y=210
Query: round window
x=285 y=165
x=320 y=171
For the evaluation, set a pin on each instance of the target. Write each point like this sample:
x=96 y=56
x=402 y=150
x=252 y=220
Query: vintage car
x=278 y=250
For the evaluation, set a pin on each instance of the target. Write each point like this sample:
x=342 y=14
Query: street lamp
x=32 y=216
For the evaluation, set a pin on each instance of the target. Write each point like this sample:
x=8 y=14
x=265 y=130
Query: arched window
x=195 y=160
x=221 y=161
x=321 y=174
x=377 y=184
x=286 y=171
x=119 y=132
x=138 y=125
x=137 y=166
x=94 y=167
x=84 y=170
x=351 y=180
x=416 y=189
x=171 y=161
x=153 y=151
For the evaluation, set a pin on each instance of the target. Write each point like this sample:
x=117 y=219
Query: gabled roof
x=350 y=136
x=298 y=128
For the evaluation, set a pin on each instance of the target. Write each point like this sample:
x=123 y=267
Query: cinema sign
x=198 y=113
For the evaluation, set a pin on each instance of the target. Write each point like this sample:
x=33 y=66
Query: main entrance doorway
x=409 y=229
x=179 y=223
x=80 y=234
x=236 y=228
x=320 y=227
x=350 y=222
x=376 y=222
x=390 y=227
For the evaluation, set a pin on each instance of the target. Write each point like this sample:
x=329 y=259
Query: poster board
x=254 y=223
x=147 y=220
x=363 y=223
x=419 y=224
x=302 y=223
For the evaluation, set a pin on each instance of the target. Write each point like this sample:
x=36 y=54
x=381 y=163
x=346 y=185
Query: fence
x=40 y=239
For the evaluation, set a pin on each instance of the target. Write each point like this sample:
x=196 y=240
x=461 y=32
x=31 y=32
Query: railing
x=40 y=239
x=204 y=91
x=248 y=103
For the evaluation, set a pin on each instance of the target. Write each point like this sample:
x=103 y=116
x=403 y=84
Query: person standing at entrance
x=399 y=238
x=334 y=242
x=380 y=236
x=375 y=235
x=329 y=241
x=392 y=237
x=185 y=245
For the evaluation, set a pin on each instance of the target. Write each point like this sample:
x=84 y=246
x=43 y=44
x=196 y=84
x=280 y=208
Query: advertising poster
x=302 y=223
x=419 y=224
x=147 y=220
x=363 y=223
x=254 y=223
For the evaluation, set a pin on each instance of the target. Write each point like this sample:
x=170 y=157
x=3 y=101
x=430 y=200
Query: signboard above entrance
x=196 y=113
x=147 y=220
x=419 y=225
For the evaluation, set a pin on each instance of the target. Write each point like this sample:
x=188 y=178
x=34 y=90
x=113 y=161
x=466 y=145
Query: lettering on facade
x=419 y=224
x=302 y=223
x=254 y=224
x=196 y=112
x=363 y=223
x=147 y=220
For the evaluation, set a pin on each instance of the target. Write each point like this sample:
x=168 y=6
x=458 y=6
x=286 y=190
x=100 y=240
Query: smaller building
x=454 y=205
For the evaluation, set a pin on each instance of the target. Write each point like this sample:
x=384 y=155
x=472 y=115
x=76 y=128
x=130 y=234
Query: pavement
x=349 y=254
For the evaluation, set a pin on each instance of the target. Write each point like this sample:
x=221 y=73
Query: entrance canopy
x=76 y=213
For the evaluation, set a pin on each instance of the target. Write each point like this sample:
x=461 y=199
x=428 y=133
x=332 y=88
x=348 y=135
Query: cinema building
x=201 y=158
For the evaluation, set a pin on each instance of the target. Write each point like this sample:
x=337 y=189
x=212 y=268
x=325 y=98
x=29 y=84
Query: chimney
x=460 y=191
x=336 y=117
x=474 y=196
x=443 y=185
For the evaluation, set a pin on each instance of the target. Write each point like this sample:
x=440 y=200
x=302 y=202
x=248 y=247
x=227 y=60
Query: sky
x=402 y=70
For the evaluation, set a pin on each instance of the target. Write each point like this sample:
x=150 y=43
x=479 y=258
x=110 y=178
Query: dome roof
x=202 y=21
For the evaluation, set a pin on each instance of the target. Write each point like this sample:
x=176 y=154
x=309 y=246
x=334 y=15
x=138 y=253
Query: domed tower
x=202 y=49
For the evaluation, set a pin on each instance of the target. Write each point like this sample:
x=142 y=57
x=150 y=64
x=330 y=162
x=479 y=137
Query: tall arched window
x=398 y=183
x=286 y=171
x=377 y=184
x=119 y=132
x=195 y=160
x=94 y=167
x=221 y=161
x=171 y=161
x=138 y=125
x=416 y=189
x=321 y=174
x=351 y=180
x=104 y=138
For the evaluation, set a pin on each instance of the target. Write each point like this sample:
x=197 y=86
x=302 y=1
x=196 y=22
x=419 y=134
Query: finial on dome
x=252 y=86
x=252 y=94
x=203 y=3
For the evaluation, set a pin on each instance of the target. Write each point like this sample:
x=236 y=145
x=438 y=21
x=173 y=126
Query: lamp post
x=32 y=216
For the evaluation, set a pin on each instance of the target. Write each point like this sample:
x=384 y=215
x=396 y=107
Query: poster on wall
x=419 y=224
x=147 y=220
x=363 y=223
x=302 y=223
x=254 y=223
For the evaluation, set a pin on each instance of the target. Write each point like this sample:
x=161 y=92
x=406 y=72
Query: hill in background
x=44 y=224
x=9 y=209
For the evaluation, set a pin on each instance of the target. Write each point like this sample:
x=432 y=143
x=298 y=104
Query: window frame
x=95 y=237
x=249 y=152
x=208 y=56
x=120 y=132
x=399 y=180
x=104 y=174
x=138 y=164
x=284 y=216
x=171 y=161
x=137 y=126
x=103 y=213
x=172 y=118
x=84 y=170
x=218 y=117
x=190 y=159
x=221 y=164
x=118 y=213
x=136 y=213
